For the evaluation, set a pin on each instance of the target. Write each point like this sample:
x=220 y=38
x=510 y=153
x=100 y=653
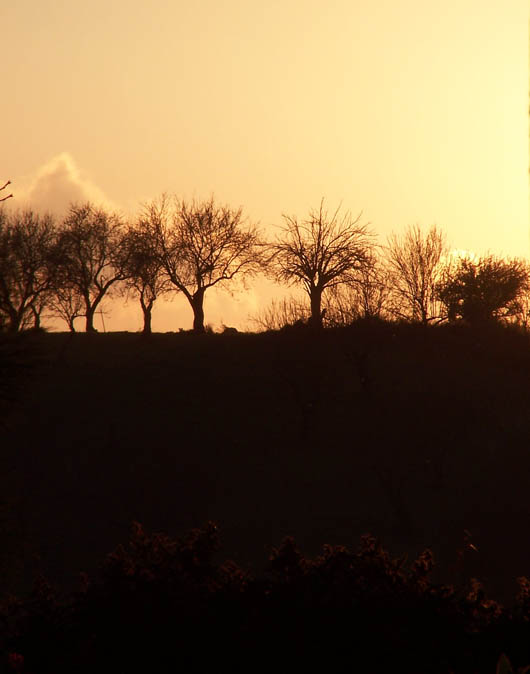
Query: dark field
x=413 y=434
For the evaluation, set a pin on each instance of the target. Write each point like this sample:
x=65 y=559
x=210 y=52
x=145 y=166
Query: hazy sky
x=413 y=111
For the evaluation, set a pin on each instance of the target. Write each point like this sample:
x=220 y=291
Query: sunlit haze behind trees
x=413 y=112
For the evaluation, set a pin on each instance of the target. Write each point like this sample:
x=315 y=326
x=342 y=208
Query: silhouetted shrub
x=165 y=603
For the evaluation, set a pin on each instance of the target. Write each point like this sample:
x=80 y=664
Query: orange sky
x=413 y=111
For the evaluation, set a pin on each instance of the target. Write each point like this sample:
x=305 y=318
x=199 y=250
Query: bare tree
x=90 y=258
x=488 y=288
x=201 y=245
x=321 y=252
x=415 y=262
x=3 y=188
x=26 y=271
x=146 y=277
x=66 y=303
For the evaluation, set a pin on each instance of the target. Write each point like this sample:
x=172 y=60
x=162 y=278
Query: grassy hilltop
x=413 y=434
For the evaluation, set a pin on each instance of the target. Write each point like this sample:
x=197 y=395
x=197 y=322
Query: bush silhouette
x=164 y=602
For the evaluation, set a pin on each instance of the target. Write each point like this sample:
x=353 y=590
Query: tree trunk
x=147 y=308
x=197 y=302
x=36 y=319
x=14 y=321
x=90 y=319
x=92 y=306
x=316 y=312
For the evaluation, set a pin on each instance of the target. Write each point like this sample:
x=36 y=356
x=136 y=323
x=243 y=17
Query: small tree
x=145 y=273
x=66 y=303
x=415 y=262
x=26 y=270
x=90 y=258
x=201 y=245
x=321 y=252
x=482 y=290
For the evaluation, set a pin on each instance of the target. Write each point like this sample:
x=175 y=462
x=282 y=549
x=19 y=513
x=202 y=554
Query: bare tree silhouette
x=415 y=262
x=26 y=270
x=321 y=252
x=67 y=303
x=145 y=272
x=201 y=245
x=89 y=258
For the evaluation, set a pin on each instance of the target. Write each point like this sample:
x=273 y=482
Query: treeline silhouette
x=164 y=603
x=67 y=268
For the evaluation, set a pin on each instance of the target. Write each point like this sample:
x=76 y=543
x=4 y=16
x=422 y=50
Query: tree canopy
x=485 y=289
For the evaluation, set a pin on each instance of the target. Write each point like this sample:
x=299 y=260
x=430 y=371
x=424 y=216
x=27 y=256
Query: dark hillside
x=414 y=434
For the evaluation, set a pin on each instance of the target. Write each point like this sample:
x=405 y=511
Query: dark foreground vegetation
x=416 y=434
x=163 y=604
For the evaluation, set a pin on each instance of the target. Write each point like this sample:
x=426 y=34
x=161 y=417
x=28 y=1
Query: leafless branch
x=3 y=188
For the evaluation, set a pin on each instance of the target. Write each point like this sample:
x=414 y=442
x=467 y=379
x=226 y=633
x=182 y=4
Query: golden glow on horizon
x=414 y=112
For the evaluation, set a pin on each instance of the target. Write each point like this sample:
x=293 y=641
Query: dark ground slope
x=410 y=433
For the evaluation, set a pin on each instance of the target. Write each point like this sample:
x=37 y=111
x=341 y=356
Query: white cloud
x=55 y=185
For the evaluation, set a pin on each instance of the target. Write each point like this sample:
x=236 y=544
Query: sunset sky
x=413 y=111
